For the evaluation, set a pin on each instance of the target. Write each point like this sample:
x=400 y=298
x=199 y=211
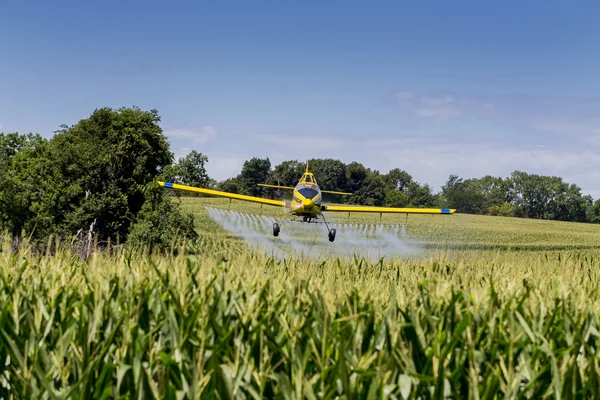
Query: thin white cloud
x=433 y=164
x=223 y=166
x=301 y=142
x=436 y=107
x=437 y=101
x=438 y=112
x=200 y=136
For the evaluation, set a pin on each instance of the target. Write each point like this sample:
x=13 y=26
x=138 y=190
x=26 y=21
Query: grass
x=496 y=307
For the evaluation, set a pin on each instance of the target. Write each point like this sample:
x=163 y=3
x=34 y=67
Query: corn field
x=136 y=325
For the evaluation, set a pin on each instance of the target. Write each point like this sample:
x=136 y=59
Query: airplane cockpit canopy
x=308 y=178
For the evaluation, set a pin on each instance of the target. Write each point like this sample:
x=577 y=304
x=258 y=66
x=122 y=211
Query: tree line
x=95 y=178
x=99 y=176
x=519 y=195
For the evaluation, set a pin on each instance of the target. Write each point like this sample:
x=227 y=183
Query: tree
x=24 y=173
x=398 y=179
x=593 y=212
x=463 y=195
x=231 y=185
x=356 y=174
x=95 y=172
x=396 y=198
x=285 y=174
x=372 y=192
x=189 y=170
x=254 y=171
x=161 y=221
x=420 y=196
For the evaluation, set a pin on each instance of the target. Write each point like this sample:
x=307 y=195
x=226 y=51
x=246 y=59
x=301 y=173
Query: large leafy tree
x=189 y=170
x=397 y=179
x=24 y=176
x=94 y=172
x=254 y=171
x=105 y=163
x=356 y=174
x=463 y=195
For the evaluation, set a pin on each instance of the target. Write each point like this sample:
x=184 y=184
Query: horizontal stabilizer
x=331 y=192
x=275 y=186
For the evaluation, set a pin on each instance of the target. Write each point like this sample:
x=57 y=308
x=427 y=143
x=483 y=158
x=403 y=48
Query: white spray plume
x=310 y=240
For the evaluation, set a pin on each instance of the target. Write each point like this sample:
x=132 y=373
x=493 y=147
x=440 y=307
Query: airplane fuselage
x=306 y=200
x=307 y=197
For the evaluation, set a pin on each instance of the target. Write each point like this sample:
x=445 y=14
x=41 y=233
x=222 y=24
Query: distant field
x=441 y=232
x=492 y=307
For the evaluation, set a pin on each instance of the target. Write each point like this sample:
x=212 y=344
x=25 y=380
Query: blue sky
x=432 y=87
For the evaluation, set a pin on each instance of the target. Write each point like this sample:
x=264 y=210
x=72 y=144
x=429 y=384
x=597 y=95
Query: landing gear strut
x=331 y=233
x=275 y=229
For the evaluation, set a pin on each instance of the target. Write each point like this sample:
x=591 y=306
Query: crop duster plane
x=307 y=202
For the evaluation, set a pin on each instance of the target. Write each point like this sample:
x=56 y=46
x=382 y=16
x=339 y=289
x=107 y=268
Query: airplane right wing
x=390 y=210
x=218 y=193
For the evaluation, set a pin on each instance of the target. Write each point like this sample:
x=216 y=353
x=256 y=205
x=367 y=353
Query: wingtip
x=448 y=210
x=165 y=184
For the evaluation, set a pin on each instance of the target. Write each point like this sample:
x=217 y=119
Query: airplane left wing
x=390 y=210
x=218 y=193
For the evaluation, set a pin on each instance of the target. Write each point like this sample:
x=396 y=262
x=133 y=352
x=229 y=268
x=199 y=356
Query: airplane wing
x=218 y=193
x=389 y=210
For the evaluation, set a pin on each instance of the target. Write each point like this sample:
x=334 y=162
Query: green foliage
x=396 y=198
x=189 y=170
x=330 y=175
x=356 y=174
x=371 y=192
x=463 y=196
x=92 y=173
x=504 y=210
x=398 y=179
x=131 y=325
x=285 y=174
x=254 y=171
x=160 y=222
x=232 y=185
x=593 y=213
x=420 y=196
x=26 y=198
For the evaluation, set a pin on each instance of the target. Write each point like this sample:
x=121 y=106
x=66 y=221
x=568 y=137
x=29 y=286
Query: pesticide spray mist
x=309 y=240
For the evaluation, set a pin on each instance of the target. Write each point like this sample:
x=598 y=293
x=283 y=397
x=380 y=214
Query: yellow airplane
x=307 y=202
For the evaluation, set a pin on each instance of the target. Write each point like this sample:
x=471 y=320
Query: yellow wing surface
x=218 y=193
x=390 y=210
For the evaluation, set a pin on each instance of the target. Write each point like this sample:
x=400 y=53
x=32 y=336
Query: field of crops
x=489 y=307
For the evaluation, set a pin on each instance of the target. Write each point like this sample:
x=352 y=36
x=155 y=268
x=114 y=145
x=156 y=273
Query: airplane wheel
x=275 y=229
x=332 y=235
x=305 y=219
